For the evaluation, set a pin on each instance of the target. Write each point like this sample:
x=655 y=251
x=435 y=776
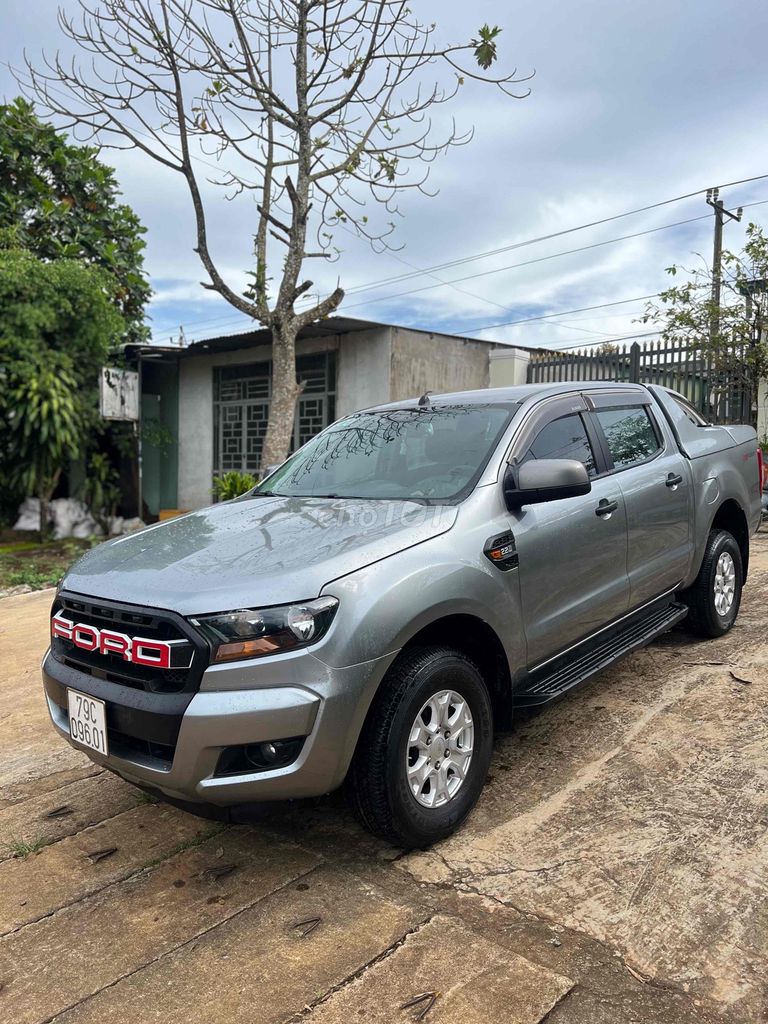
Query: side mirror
x=544 y=480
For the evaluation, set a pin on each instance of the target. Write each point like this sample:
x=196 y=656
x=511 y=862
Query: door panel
x=658 y=526
x=573 y=568
x=655 y=482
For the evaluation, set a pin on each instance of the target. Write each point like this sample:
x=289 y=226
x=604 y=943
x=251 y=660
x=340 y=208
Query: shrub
x=232 y=485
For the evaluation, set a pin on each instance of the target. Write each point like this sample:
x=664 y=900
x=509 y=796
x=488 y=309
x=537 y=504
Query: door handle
x=673 y=479
x=605 y=508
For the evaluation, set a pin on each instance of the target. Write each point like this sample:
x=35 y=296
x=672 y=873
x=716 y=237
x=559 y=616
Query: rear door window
x=629 y=433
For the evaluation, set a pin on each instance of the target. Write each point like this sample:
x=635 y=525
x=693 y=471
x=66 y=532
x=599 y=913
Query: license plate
x=87 y=721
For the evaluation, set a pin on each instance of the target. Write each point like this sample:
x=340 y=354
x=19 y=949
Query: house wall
x=374 y=366
x=423 y=361
x=363 y=370
x=196 y=413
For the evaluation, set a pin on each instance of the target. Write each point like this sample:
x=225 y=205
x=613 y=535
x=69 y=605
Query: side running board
x=568 y=670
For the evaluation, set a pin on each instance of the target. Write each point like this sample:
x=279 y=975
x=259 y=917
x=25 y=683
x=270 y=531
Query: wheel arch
x=730 y=516
x=480 y=642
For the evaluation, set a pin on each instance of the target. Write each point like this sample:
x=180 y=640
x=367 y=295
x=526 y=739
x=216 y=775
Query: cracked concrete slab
x=81 y=864
x=52 y=815
x=264 y=961
x=27 y=752
x=463 y=978
x=63 y=959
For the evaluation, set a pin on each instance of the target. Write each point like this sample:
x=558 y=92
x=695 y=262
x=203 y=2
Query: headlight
x=254 y=632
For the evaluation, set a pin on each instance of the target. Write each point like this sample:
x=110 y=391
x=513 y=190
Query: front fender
x=384 y=605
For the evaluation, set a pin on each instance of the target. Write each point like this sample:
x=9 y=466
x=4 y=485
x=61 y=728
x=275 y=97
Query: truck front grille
x=148 y=623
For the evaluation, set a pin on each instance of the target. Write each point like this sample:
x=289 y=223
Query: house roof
x=332 y=327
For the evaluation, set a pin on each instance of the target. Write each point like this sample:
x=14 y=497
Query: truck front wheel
x=423 y=754
x=713 y=600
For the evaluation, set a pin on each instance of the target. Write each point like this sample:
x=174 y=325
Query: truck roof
x=499 y=396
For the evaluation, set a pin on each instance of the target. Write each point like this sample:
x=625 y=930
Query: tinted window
x=427 y=455
x=630 y=434
x=565 y=438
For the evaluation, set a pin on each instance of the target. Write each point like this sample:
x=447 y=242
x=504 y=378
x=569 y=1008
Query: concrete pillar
x=508 y=367
x=762 y=411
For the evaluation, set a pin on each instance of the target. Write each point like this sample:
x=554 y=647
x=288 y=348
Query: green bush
x=232 y=485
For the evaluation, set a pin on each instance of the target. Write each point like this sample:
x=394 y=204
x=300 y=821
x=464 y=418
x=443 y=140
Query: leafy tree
x=57 y=324
x=62 y=202
x=737 y=349
x=102 y=490
x=320 y=111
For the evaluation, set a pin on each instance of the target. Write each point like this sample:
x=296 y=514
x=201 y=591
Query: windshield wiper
x=368 y=497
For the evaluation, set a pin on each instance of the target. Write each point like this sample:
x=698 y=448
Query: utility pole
x=717 y=204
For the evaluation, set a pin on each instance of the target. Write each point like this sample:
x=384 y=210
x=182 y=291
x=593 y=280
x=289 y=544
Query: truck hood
x=252 y=552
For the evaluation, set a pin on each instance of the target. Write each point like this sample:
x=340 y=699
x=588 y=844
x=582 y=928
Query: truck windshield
x=429 y=455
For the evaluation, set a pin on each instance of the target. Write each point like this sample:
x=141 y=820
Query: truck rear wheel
x=713 y=600
x=423 y=755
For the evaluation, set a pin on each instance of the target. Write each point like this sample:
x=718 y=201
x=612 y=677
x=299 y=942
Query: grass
x=31 y=578
x=185 y=844
x=142 y=797
x=23 y=848
x=25 y=562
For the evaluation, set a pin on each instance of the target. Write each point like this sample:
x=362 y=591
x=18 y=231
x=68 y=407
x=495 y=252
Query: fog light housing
x=266 y=756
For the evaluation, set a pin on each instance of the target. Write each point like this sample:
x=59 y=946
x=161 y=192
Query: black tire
x=703 y=617
x=377 y=783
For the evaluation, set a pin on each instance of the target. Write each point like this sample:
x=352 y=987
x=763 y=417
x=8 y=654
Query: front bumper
x=172 y=743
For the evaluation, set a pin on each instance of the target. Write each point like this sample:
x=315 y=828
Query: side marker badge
x=502 y=551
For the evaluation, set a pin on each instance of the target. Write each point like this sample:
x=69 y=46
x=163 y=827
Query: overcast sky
x=631 y=104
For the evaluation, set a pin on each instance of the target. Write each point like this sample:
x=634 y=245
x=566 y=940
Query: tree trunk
x=45 y=489
x=285 y=392
x=44 y=527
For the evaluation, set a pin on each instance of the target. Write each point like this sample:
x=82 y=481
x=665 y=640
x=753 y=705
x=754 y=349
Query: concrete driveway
x=614 y=871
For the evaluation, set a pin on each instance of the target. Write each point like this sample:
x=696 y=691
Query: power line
x=513 y=266
x=526 y=263
x=538 y=259
x=612 y=340
x=543 y=238
x=566 y=312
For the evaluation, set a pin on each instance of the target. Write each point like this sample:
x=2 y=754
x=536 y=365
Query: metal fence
x=722 y=393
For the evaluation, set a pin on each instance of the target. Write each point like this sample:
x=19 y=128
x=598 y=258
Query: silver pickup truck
x=386 y=598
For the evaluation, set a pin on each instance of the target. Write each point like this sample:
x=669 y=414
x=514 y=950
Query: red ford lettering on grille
x=138 y=650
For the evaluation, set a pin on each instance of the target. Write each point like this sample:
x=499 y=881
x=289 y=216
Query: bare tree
x=313 y=107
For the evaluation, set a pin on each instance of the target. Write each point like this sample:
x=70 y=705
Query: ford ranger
x=386 y=598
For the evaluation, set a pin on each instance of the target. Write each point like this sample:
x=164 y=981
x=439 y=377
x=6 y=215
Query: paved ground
x=615 y=870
